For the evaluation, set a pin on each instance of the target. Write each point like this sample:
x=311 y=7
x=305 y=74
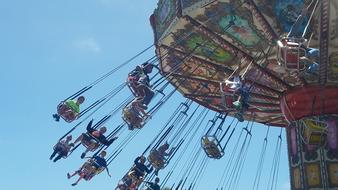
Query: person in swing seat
x=159 y=157
x=241 y=104
x=93 y=138
x=135 y=113
x=140 y=169
x=154 y=185
x=62 y=148
x=139 y=82
x=70 y=109
x=92 y=167
x=310 y=60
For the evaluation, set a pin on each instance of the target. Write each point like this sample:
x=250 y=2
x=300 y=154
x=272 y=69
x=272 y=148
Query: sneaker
x=83 y=155
x=74 y=184
x=68 y=176
x=131 y=127
x=56 y=117
x=237 y=104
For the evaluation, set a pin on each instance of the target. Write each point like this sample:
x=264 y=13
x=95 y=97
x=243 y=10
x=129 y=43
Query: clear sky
x=50 y=49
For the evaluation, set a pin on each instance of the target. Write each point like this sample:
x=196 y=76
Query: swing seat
x=212 y=147
x=127 y=182
x=90 y=142
x=289 y=52
x=227 y=98
x=66 y=113
x=156 y=160
x=314 y=132
x=132 y=118
x=124 y=183
x=90 y=169
x=63 y=148
x=134 y=179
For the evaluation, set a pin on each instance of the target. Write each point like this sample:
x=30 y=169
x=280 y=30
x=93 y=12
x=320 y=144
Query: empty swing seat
x=289 y=52
x=314 y=132
x=212 y=147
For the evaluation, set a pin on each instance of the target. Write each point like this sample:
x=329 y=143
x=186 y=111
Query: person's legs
x=72 y=175
x=58 y=157
x=62 y=109
x=78 y=180
x=69 y=115
x=312 y=53
x=84 y=153
x=53 y=154
x=57 y=149
x=149 y=94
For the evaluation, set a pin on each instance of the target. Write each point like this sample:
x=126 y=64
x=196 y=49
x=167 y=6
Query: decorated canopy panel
x=203 y=42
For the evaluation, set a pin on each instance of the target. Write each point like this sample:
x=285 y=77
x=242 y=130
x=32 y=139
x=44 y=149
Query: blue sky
x=50 y=49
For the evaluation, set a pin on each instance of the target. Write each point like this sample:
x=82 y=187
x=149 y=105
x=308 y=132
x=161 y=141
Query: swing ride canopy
x=202 y=42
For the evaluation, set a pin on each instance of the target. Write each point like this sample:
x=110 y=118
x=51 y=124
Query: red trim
x=309 y=101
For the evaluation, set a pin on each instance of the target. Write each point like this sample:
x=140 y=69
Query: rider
x=241 y=104
x=161 y=153
x=137 y=103
x=312 y=54
x=140 y=168
x=94 y=133
x=70 y=109
x=98 y=162
x=134 y=113
x=140 y=83
x=62 y=148
x=153 y=186
x=162 y=150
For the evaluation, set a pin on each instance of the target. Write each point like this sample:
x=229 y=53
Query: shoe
x=237 y=104
x=83 y=155
x=131 y=127
x=74 y=184
x=68 y=176
x=56 y=117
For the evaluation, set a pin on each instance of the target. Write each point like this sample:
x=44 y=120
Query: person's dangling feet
x=130 y=127
x=56 y=117
x=68 y=176
x=156 y=172
x=74 y=184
